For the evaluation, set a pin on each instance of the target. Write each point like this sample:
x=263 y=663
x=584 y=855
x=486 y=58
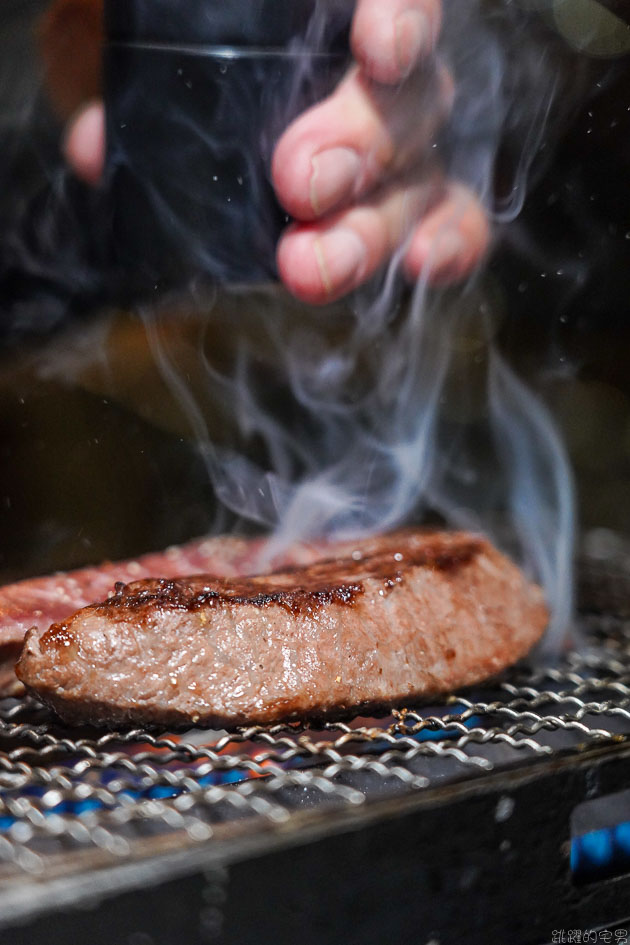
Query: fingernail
x=341 y=256
x=333 y=177
x=413 y=39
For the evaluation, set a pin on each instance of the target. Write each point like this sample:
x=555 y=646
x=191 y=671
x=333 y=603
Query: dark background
x=99 y=461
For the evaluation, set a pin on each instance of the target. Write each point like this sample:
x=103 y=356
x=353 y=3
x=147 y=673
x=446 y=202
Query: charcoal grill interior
x=454 y=818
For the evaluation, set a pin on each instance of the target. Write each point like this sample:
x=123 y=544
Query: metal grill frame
x=437 y=826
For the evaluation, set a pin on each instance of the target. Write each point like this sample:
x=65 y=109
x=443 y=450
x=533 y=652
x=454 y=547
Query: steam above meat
x=405 y=617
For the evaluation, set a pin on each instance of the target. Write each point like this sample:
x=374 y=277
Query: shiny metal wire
x=117 y=794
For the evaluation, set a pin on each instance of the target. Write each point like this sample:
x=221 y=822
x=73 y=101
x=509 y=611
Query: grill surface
x=76 y=805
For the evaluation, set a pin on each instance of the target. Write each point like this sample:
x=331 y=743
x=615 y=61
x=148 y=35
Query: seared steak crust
x=409 y=616
x=41 y=601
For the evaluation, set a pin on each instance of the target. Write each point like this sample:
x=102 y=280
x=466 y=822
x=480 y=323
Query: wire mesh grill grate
x=69 y=796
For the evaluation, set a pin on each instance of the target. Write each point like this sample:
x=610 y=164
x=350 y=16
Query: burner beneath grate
x=451 y=822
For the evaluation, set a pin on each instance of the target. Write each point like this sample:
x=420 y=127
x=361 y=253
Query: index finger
x=391 y=37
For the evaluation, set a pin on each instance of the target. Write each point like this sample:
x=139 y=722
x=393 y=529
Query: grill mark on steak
x=206 y=591
x=316 y=587
x=41 y=601
x=185 y=595
x=405 y=618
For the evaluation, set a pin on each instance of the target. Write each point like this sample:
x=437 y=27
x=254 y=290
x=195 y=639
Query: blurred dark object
x=54 y=267
x=188 y=167
x=564 y=268
x=51 y=248
x=71 y=38
x=597 y=588
x=620 y=8
x=186 y=192
x=83 y=479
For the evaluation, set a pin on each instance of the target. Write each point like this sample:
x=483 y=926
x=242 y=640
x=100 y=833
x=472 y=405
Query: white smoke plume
x=361 y=442
x=343 y=421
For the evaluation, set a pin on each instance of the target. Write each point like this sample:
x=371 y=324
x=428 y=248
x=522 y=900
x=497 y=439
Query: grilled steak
x=409 y=616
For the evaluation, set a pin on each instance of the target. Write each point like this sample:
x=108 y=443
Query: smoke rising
x=353 y=418
x=342 y=418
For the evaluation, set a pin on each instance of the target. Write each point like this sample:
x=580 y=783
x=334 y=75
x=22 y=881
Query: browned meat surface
x=39 y=602
x=408 y=617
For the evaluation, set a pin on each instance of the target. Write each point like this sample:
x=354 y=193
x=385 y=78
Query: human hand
x=356 y=171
